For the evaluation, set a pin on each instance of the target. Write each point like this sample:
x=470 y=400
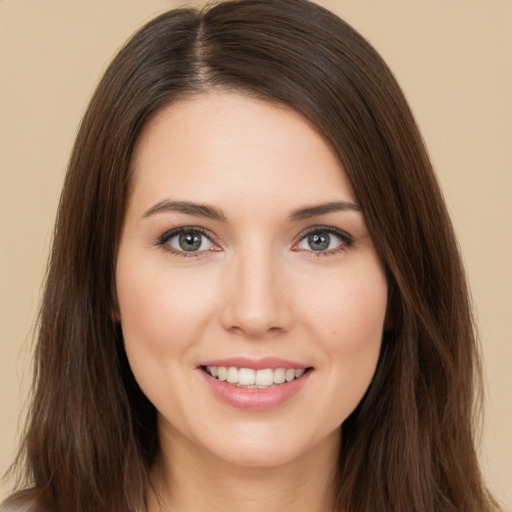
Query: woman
x=254 y=297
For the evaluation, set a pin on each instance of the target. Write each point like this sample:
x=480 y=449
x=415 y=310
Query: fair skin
x=255 y=277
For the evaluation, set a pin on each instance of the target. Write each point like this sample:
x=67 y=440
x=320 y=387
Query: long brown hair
x=91 y=434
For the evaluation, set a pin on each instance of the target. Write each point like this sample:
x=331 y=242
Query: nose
x=257 y=302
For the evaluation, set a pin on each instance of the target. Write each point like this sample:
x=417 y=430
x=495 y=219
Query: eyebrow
x=199 y=210
x=202 y=210
x=323 y=209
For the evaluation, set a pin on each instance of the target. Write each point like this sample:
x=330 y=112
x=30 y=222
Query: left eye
x=190 y=241
x=319 y=241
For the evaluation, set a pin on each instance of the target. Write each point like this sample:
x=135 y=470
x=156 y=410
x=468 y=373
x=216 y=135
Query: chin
x=269 y=446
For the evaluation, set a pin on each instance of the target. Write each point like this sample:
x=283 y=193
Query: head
x=297 y=56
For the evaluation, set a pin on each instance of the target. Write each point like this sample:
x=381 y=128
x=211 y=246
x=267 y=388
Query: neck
x=189 y=480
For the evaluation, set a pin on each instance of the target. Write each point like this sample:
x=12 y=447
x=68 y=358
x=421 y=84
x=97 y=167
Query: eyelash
x=346 y=241
x=168 y=235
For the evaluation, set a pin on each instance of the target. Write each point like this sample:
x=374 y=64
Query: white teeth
x=222 y=371
x=247 y=377
x=232 y=375
x=279 y=376
x=265 y=377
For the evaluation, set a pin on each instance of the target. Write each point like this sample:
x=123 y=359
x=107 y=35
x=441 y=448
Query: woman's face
x=251 y=299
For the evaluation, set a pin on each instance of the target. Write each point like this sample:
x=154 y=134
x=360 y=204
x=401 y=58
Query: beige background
x=453 y=59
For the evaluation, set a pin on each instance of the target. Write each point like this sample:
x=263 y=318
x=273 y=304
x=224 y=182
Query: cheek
x=161 y=312
x=347 y=322
x=162 y=317
x=348 y=308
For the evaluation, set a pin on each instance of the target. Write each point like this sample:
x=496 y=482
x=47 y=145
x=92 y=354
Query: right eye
x=187 y=240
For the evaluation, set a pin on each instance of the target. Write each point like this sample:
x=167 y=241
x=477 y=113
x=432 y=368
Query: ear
x=389 y=320
x=115 y=312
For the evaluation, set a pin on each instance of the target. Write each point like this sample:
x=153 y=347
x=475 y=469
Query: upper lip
x=256 y=363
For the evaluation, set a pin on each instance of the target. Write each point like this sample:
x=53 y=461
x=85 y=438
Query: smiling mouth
x=254 y=379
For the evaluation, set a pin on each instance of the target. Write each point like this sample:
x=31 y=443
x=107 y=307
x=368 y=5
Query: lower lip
x=255 y=398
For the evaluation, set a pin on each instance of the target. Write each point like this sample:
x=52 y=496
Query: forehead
x=227 y=145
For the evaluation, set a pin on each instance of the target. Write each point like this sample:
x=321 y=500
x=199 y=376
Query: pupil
x=319 y=242
x=190 y=241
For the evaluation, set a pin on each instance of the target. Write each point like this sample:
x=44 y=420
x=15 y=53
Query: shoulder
x=10 y=507
x=21 y=502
